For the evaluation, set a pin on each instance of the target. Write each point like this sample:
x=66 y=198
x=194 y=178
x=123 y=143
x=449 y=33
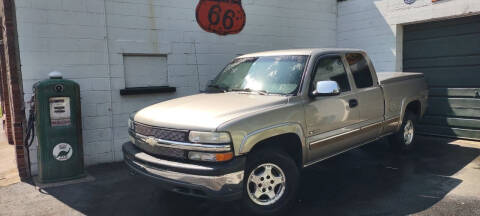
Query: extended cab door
x=369 y=94
x=331 y=120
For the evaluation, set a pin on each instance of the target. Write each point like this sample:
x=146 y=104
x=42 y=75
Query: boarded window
x=145 y=71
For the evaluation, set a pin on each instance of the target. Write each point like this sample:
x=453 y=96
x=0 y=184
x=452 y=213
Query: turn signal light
x=224 y=156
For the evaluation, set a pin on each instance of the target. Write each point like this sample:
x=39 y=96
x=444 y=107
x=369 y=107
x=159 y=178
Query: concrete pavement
x=8 y=164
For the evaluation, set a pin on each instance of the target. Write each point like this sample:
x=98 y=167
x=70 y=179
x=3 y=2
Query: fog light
x=210 y=157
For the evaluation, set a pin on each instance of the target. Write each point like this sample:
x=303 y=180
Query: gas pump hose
x=30 y=135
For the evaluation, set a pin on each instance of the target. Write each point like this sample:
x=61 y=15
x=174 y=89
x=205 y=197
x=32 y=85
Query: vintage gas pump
x=58 y=125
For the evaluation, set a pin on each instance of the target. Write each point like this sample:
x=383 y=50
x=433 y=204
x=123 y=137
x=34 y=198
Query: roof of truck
x=309 y=51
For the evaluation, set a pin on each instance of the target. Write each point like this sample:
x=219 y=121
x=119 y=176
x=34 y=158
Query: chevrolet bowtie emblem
x=151 y=141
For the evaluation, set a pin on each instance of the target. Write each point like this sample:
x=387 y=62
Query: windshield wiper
x=217 y=87
x=261 y=92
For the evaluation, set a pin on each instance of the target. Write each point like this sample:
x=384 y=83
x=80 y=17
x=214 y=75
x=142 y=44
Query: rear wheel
x=271 y=183
x=404 y=139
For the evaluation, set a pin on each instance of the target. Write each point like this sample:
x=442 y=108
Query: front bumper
x=215 y=181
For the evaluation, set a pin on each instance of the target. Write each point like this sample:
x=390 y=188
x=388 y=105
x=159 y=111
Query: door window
x=331 y=68
x=360 y=70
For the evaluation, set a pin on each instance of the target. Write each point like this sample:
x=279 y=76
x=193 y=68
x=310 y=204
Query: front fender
x=250 y=140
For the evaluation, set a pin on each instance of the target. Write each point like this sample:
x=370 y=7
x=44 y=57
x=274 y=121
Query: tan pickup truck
x=268 y=115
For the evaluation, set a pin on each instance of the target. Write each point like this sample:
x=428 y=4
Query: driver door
x=331 y=120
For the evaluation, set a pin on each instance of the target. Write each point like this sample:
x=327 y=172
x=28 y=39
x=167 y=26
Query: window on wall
x=146 y=74
x=331 y=68
x=145 y=71
x=360 y=70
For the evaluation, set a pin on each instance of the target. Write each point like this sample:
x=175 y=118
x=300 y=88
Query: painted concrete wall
x=376 y=25
x=86 y=40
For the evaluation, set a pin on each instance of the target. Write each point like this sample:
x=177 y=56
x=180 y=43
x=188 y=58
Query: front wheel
x=271 y=183
x=404 y=139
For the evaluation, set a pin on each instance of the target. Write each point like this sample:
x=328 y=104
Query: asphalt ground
x=440 y=177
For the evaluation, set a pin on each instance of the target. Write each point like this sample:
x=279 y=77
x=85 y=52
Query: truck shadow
x=366 y=181
x=374 y=181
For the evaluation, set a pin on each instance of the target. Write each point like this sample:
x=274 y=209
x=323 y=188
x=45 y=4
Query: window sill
x=147 y=90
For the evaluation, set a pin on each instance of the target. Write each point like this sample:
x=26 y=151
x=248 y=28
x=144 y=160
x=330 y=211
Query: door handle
x=352 y=103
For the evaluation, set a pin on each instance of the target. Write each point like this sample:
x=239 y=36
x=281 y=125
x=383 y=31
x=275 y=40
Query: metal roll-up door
x=448 y=53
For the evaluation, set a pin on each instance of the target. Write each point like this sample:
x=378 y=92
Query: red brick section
x=7 y=115
x=14 y=84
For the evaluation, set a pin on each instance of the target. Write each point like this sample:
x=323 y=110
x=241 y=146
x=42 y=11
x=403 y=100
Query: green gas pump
x=58 y=125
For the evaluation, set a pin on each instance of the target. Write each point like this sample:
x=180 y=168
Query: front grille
x=161 y=133
x=160 y=150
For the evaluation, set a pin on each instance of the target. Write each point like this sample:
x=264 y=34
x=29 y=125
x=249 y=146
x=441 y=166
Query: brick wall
x=86 y=40
x=12 y=84
x=7 y=117
x=376 y=25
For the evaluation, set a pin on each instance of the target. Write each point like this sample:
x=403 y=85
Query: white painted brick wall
x=77 y=38
x=69 y=36
x=376 y=25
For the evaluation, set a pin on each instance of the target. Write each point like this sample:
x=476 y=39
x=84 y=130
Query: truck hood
x=205 y=112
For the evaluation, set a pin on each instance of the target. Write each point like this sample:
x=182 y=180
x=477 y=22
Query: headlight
x=130 y=124
x=209 y=137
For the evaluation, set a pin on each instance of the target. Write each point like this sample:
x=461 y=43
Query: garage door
x=448 y=53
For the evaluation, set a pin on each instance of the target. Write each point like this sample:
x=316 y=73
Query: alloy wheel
x=266 y=184
x=408 y=132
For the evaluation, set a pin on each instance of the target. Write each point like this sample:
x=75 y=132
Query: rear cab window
x=360 y=70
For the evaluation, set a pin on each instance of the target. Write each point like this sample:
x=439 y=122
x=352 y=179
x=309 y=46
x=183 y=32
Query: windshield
x=268 y=74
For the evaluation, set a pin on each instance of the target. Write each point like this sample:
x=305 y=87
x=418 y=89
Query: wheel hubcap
x=408 y=132
x=266 y=184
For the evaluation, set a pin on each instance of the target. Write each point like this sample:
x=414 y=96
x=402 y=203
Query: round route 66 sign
x=221 y=17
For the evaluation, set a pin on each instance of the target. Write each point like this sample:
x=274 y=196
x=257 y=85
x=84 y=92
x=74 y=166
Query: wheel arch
x=413 y=105
x=287 y=137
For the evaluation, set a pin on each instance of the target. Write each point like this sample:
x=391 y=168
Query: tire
x=258 y=179
x=404 y=139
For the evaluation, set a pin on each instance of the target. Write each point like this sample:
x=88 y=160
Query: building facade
x=112 y=46
x=439 y=38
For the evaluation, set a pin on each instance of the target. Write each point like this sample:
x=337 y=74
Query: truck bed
x=390 y=77
x=400 y=88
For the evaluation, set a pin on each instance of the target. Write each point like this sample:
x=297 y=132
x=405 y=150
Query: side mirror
x=326 y=88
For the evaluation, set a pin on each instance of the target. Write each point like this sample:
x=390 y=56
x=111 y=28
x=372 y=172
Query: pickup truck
x=268 y=115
